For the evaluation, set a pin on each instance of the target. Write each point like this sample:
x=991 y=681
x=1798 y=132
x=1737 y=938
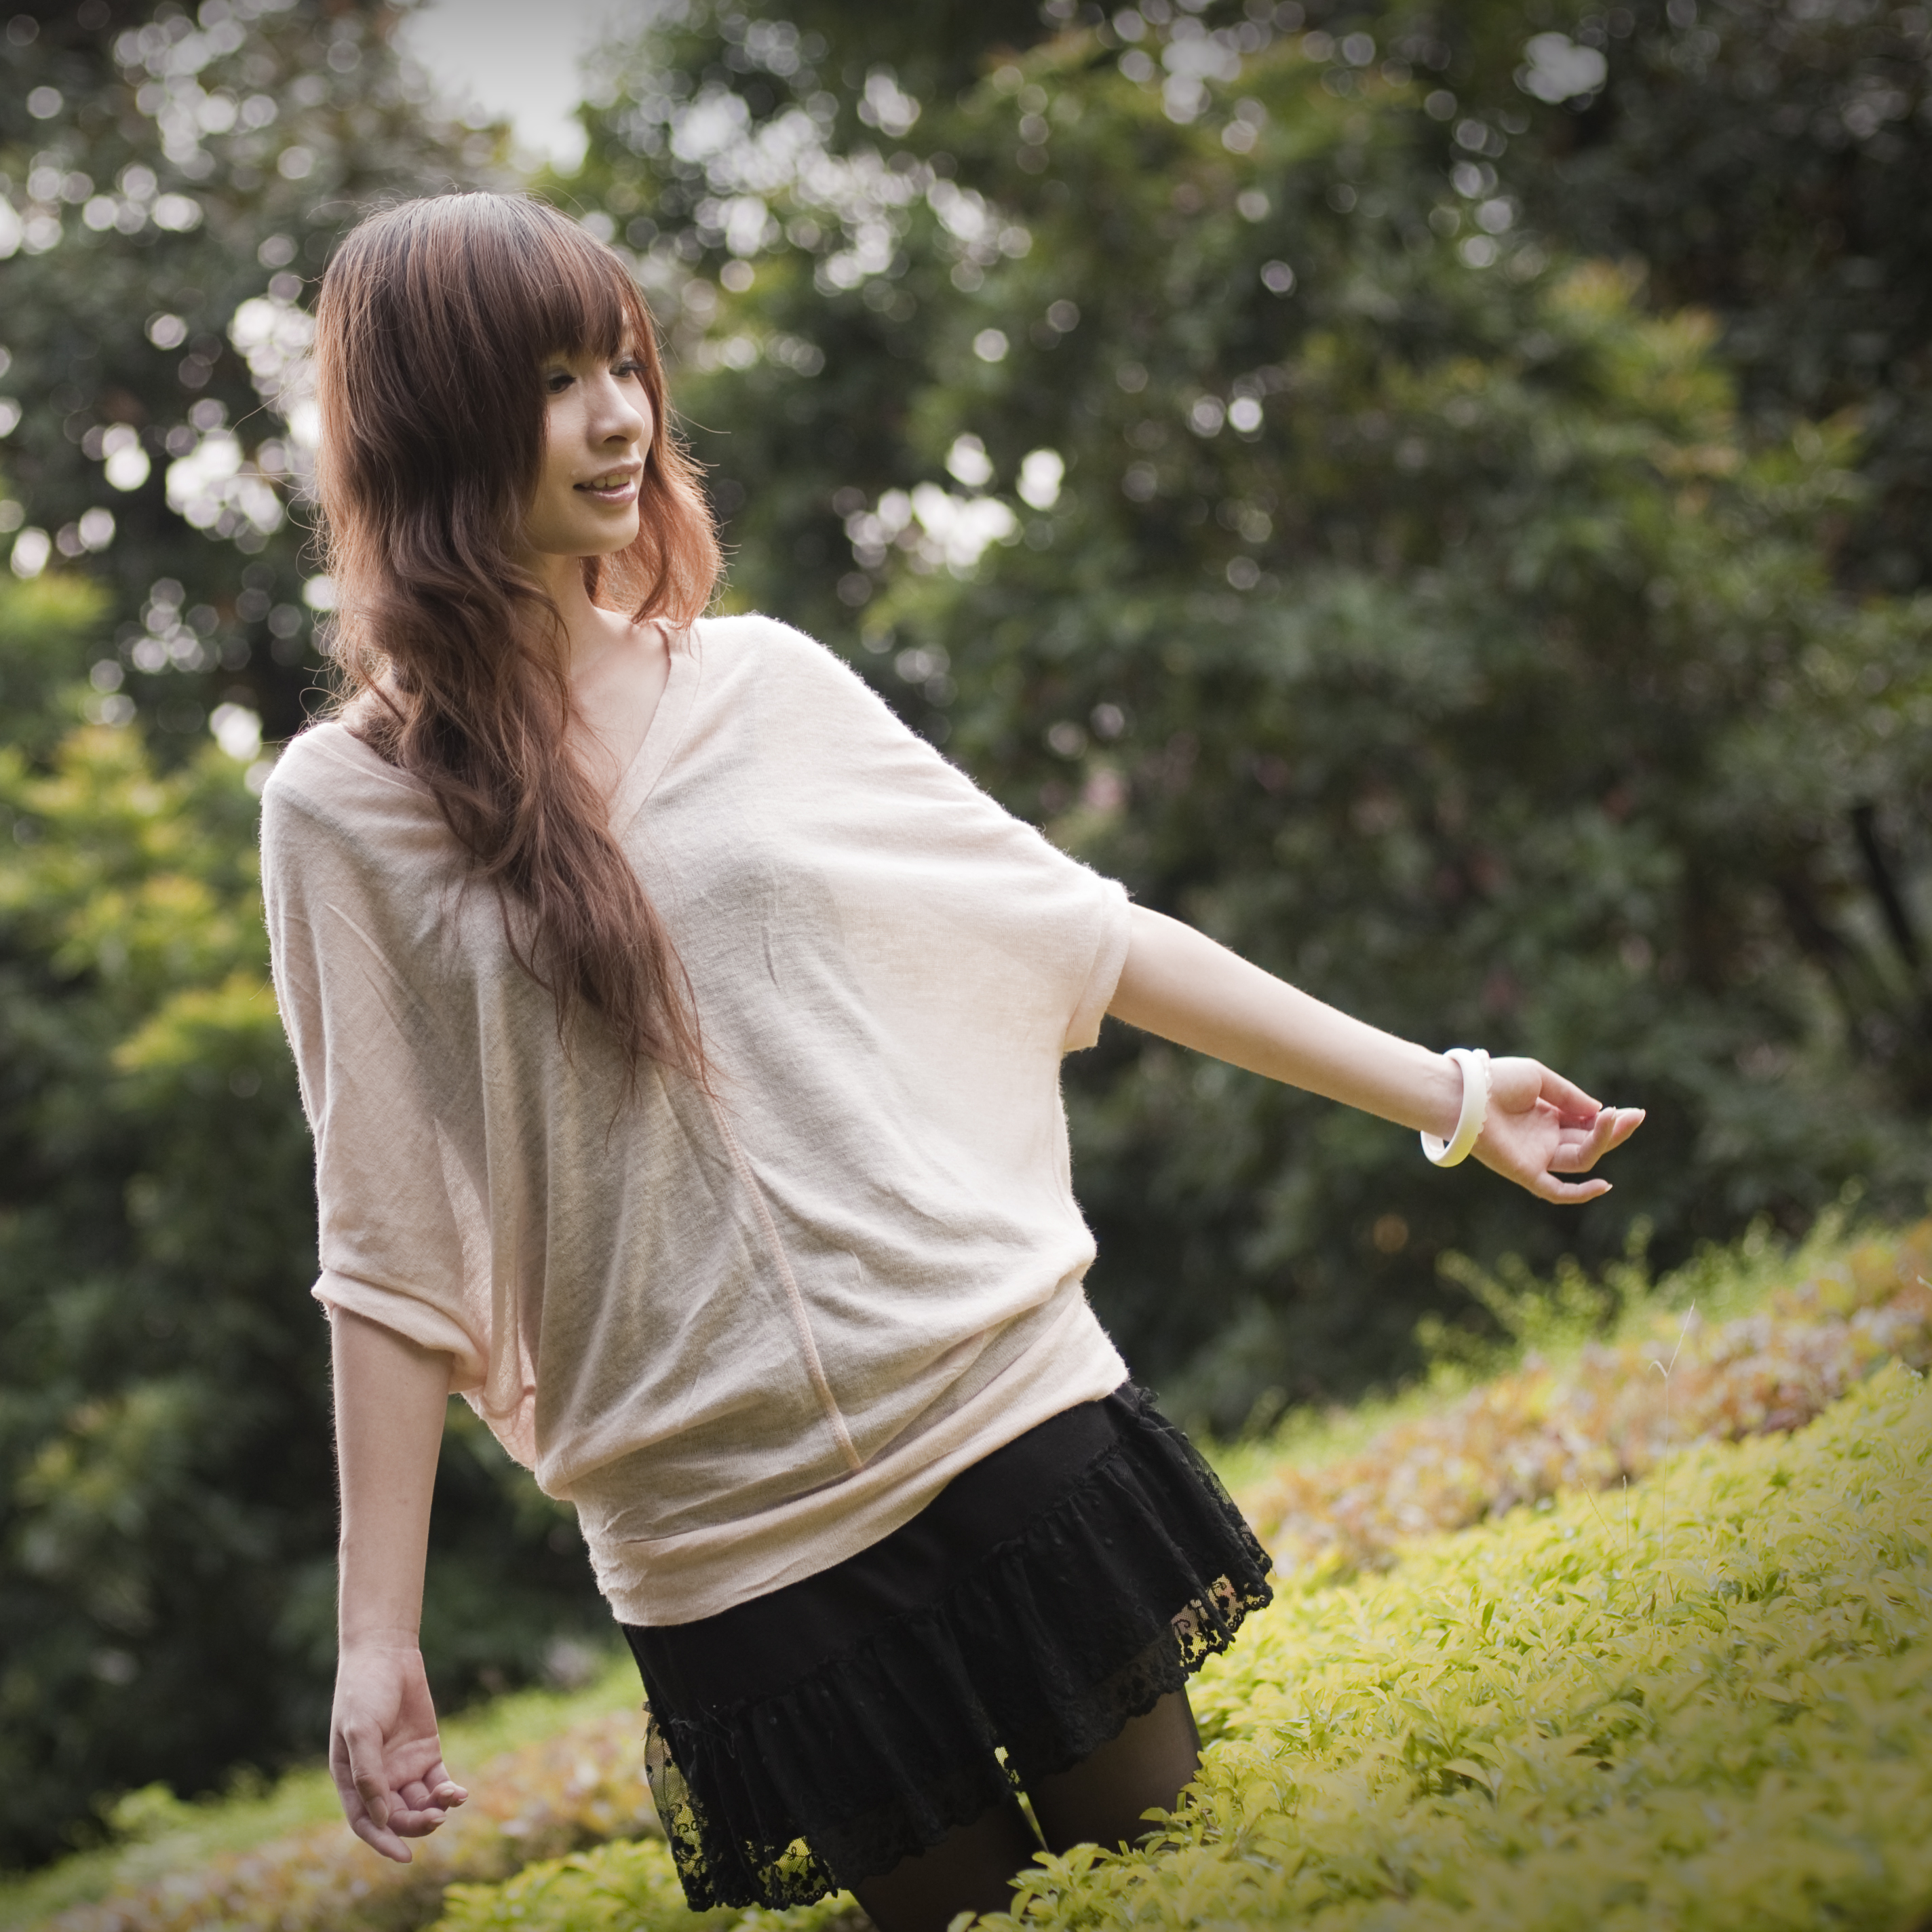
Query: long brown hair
x=433 y=321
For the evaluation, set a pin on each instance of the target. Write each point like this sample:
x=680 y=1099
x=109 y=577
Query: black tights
x=1100 y=1802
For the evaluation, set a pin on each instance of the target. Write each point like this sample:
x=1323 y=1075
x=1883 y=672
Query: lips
x=614 y=486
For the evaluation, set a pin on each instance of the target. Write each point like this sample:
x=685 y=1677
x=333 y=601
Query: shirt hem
x=678 y=1579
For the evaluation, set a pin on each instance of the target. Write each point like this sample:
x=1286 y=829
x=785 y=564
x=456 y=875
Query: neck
x=587 y=626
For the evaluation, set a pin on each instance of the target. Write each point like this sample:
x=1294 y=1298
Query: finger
x=386 y=1842
x=375 y=1799
x=410 y=1808
x=1577 y=1153
x=442 y=1789
x=363 y=1748
x=1569 y=1099
x=1614 y=1126
x=1569 y=1192
x=415 y=1822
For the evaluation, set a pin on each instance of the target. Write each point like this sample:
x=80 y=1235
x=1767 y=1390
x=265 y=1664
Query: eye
x=556 y=381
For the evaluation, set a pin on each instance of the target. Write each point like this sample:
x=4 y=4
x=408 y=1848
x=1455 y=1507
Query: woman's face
x=598 y=426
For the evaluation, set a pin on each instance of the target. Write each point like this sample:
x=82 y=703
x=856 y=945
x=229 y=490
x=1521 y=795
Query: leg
x=1100 y=1802
x=970 y=1869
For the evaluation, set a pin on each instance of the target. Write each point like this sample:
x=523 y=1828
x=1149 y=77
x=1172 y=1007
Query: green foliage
x=1409 y=606
x=1595 y=1412
x=572 y=1775
x=1766 y=162
x=166 y=1509
x=46 y=627
x=618 y=1887
x=162 y=227
x=1718 y=1720
x=549 y=1775
x=529 y=1744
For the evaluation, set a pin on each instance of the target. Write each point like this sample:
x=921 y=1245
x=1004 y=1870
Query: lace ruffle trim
x=1041 y=1654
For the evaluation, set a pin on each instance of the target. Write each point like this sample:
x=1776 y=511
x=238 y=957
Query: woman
x=681 y=1038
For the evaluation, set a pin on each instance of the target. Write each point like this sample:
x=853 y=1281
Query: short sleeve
x=1112 y=928
x=401 y=1233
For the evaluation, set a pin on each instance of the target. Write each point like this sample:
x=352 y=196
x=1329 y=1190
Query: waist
x=1062 y=1357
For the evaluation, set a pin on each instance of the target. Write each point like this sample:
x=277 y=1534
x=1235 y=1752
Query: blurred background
x=1436 y=495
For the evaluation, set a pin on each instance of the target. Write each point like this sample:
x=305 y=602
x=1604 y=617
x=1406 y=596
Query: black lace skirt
x=812 y=1738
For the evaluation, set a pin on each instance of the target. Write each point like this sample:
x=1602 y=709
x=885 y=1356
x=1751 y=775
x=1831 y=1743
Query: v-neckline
x=662 y=734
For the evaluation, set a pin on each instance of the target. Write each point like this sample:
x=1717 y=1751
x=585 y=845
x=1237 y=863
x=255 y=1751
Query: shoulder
x=325 y=761
x=767 y=649
x=328 y=790
x=758 y=667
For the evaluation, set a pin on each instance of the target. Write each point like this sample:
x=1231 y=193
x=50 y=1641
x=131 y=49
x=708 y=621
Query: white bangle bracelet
x=1475 y=1063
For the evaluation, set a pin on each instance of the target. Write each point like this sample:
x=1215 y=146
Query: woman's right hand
x=1541 y=1127
x=383 y=1750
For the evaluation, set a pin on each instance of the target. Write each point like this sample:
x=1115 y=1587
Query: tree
x=1766 y=162
x=1307 y=540
x=171 y=185
x=174 y=182
x=167 y=1492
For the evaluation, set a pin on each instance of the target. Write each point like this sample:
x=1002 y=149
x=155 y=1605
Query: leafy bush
x=578 y=1787
x=1719 y=1720
x=1612 y=1415
x=622 y=1888
x=559 y=1775
x=167 y=1519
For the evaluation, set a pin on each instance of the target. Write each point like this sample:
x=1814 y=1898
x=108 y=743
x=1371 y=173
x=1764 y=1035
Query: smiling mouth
x=619 y=486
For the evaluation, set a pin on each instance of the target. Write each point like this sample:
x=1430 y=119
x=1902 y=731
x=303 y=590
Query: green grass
x=1519 y=1316
x=163 y=1834
x=1553 y=1718
x=1718 y=1719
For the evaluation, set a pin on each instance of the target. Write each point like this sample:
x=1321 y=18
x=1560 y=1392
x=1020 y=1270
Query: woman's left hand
x=1540 y=1127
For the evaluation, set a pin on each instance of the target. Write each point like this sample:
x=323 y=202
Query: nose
x=618 y=418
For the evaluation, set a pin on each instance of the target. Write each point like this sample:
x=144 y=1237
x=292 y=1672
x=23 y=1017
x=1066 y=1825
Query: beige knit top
x=746 y=1337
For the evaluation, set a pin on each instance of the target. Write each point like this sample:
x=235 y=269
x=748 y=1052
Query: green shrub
x=1547 y=1425
x=1354 y=1722
x=167 y=1512
x=584 y=1783
x=1719 y=1716
x=619 y=1889
x=1716 y=1718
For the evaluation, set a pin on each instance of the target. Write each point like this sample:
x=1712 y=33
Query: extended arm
x=1181 y=984
x=383 y=1750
